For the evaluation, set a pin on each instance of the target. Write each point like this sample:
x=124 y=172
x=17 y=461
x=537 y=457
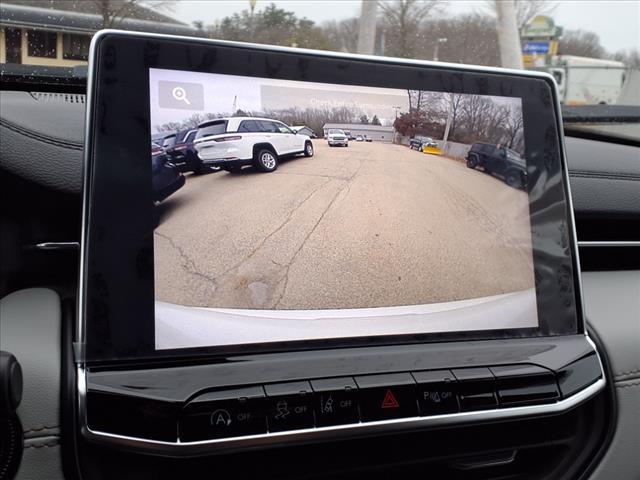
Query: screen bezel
x=116 y=315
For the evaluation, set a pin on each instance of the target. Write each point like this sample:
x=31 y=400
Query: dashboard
x=465 y=407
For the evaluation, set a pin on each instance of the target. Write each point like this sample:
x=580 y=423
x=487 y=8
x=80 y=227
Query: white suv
x=231 y=143
x=335 y=136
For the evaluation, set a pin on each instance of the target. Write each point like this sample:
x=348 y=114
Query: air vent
x=47 y=97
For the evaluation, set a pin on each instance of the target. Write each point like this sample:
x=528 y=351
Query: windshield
x=336 y=132
x=592 y=48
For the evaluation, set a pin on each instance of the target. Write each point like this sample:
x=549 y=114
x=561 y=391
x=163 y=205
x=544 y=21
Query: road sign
x=541 y=26
x=541 y=47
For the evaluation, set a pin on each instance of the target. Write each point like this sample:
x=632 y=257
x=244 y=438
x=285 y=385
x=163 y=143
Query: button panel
x=326 y=402
x=383 y=397
x=436 y=392
x=226 y=413
x=289 y=406
x=525 y=384
x=476 y=389
x=336 y=401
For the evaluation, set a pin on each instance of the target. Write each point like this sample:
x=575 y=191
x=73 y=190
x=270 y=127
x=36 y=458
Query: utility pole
x=437 y=48
x=367 y=30
x=447 y=128
x=508 y=35
x=252 y=6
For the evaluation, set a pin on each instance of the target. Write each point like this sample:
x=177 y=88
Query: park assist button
x=436 y=392
x=387 y=396
x=289 y=406
x=476 y=389
x=225 y=413
x=336 y=401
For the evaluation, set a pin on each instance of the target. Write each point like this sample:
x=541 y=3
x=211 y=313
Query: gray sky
x=254 y=94
x=617 y=22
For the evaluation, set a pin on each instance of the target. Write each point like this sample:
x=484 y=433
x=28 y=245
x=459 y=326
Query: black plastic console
x=279 y=398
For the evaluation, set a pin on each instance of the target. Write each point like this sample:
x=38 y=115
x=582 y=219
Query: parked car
x=359 y=138
x=335 y=136
x=168 y=141
x=499 y=160
x=415 y=144
x=367 y=139
x=418 y=143
x=184 y=156
x=165 y=177
x=231 y=143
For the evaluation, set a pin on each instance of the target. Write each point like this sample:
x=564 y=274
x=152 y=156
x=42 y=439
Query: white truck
x=586 y=81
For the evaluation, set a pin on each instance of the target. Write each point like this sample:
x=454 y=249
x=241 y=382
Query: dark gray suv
x=500 y=161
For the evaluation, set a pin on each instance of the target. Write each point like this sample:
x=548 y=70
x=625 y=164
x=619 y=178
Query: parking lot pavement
x=367 y=225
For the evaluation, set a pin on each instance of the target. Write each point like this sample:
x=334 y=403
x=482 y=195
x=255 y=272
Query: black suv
x=179 y=147
x=419 y=143
x=498 y=160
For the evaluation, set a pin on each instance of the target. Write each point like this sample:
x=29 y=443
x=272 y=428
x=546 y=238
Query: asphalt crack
x=188 y=265
x=285 y=276
x=278 y=228
x=332 y=177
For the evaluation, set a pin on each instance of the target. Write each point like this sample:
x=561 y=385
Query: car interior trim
x=624 y=243
x=203 y=447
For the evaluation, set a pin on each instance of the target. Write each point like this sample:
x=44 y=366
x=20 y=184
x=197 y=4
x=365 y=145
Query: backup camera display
x=290 y=210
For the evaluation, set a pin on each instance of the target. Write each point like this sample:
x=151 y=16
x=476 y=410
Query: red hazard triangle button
x=389 y=400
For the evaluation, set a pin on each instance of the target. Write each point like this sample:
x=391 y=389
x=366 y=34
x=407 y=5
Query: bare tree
x=114 y=11
x=456 y=101
x=581 y=43
x=401 y=22
x=471 y=38
x=513 y=129
x=630 y=57
x=526 y=10
x=342 y=34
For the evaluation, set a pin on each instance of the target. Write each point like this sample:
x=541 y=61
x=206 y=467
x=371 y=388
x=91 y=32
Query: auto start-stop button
x=225 y=413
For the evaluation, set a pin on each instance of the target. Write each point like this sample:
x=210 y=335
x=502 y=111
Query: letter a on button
x=389 y=400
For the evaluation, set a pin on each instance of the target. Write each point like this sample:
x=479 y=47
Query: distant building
x=304 y=130
x=376 y=133
x=33 y=35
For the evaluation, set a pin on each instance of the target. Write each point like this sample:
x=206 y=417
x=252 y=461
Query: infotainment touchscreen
x=316 y=210
x=244 y=199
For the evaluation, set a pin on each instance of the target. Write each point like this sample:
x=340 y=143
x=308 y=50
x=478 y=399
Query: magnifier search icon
x=181 y=95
